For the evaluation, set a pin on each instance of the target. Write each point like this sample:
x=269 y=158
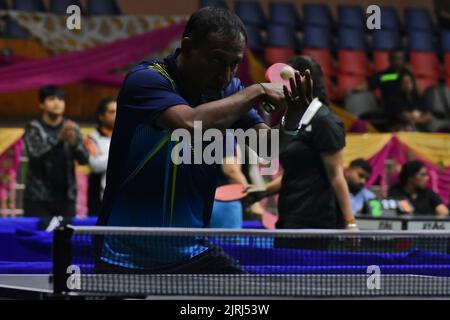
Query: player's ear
x=186 y=46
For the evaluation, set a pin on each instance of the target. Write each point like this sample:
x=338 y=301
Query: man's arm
x=221 y=114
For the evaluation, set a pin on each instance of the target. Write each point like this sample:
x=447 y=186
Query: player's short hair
x=212 y=20
x=51 y=91
x=361 y=163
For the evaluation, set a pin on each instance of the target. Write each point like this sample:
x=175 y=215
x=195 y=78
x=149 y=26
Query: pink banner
x=95 y=64
x=378 y=163
x=9 y=165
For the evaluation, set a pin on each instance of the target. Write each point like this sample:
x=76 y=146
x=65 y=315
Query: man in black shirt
x=53 y=143
x=412 y=187
x=388 y=80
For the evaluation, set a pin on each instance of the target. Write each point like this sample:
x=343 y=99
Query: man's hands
x=274 y=95
x=301 y=93
x=297 y=99
x=69 y=133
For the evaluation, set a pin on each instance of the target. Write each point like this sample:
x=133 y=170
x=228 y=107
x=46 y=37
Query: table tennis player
x=144 y=188
x=313 y=192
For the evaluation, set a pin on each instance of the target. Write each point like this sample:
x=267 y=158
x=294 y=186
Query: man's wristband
x=264 y=88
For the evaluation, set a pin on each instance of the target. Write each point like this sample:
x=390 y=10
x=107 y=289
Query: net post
x=62 y=256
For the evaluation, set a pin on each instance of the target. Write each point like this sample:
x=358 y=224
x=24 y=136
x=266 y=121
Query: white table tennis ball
x=287 y=72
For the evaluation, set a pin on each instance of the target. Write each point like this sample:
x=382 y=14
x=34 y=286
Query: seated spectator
x=53 y=144
x=437 y=100
x=412 y=186
x=357 y=175
x=386 y=81
x=405 y=107
x=97 y=144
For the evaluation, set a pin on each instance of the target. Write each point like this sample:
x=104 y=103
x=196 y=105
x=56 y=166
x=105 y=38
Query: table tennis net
x=115 y=261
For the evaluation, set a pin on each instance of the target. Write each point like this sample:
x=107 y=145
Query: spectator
x=97 y=144
x=357 y=175
x=386 y=80
x=413 y=187
x=53 y=143
x=405 y=107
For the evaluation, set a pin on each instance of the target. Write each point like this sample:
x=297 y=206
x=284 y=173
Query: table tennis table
x=28 y=287
x=412 y=265
x=40 y=287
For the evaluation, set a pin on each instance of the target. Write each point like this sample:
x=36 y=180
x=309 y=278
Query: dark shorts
x=212 y=261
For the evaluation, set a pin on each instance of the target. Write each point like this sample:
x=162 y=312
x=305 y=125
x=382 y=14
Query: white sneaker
x=54 y=223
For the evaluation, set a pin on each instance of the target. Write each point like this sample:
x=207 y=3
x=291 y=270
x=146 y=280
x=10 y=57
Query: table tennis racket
x=230 y=192
x=278 y=73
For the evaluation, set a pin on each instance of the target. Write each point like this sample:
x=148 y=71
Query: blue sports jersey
x=144 y=188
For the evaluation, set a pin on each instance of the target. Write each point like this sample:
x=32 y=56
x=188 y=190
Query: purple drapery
x=9 y=165
x=93 y=64
x=377 y=162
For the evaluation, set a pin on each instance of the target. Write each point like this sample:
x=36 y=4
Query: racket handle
x=268 y=107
